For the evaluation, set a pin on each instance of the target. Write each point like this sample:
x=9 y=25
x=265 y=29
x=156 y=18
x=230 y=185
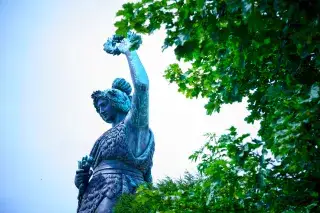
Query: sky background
x=51 y=60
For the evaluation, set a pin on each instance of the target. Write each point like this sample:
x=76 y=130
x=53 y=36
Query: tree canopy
x=267 y=51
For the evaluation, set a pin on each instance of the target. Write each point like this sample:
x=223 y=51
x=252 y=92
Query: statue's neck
x=120 y=117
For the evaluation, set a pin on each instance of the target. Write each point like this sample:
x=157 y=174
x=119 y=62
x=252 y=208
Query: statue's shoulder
x=116 y=130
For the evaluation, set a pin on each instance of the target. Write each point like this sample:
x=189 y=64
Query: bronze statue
x=121 y=158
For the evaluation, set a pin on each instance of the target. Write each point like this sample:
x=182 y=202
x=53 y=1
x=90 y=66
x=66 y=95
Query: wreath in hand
x=115 y=43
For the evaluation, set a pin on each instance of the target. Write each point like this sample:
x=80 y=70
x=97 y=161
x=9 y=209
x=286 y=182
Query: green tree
x=183 y=195
x=265 y=50
x=236 y=175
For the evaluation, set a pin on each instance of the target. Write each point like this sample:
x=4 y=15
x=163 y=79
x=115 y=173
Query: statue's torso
x=121 y=159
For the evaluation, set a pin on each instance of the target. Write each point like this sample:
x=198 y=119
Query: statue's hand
x=124 y=46
x=118 y=44
x=82 y=177
x=83 y=173
x=111 y=46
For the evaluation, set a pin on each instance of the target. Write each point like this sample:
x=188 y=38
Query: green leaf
x=267 y=41
x=200 y=4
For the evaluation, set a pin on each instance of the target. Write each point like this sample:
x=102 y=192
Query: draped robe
x=116 y=169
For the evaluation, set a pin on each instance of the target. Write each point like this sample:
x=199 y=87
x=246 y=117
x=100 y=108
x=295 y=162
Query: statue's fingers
x=82 y=175
x=82 y=182
x=81 y=187
x=79 y=171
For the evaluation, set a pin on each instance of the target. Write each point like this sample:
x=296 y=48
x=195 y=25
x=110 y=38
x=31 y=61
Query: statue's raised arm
x=138 y=116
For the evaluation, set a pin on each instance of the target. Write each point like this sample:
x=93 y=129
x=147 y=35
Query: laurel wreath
x=111 y=46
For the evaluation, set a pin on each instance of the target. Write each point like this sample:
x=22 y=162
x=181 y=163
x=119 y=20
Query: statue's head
x=110 y=102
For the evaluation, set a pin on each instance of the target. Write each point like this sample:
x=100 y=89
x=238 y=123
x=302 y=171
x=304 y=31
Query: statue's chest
x=113 y=144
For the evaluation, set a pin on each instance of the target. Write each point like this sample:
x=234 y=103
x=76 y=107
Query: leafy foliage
x=184 y=195
x=265 y=50
x=236 y=175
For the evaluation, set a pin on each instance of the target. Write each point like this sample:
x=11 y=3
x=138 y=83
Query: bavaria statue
x=121 y=158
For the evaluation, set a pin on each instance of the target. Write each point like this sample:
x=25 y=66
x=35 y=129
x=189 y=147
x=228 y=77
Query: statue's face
x=106 y=111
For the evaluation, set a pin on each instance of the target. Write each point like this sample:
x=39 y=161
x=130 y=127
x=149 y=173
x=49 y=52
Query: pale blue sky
x=51 y=60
